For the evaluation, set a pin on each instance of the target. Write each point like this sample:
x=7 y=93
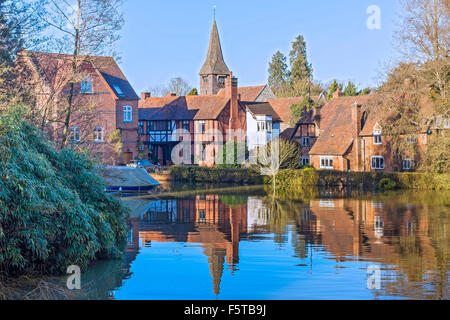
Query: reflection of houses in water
x=364 y=229
x=203 y=219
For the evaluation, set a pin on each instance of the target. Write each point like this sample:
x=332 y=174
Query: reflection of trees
x=96 y=283
x=415 y=238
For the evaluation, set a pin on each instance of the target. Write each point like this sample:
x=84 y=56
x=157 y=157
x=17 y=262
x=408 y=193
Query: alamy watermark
x=374 y=20
x=74 y=280
x=373 y=278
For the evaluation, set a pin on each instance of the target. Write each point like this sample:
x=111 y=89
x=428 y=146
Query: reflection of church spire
x=216 y=258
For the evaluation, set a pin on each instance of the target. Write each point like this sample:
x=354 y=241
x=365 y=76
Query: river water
x=244 y=243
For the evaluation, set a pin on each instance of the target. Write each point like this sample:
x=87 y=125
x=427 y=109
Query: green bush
x=223 y=175
x=387 y=184
x=365 y=180
x=54 y=211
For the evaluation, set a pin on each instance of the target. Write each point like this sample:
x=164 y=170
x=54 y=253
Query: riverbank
x=311 y=177
x=220 y=175
x=365 y=180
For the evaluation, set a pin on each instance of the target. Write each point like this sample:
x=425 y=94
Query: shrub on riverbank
x=223 y=175
x=54 y=211
x=368 y=180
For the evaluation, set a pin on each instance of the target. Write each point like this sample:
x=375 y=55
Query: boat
x=128 y=180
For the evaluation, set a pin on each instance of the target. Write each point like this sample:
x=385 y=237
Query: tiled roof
x=336 y=125
x=55 y=68
x=376 y=114
x=262 y=108
x=247 y=93
x=214 y=63
x=282 y=106
x=202 y=107
x=287 y=134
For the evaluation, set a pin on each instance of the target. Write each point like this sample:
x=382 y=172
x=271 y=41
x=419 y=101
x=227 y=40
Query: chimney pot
x=145 y=95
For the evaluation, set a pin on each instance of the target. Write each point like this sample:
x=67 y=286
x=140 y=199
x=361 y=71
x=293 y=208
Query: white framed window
x=305 y=141
x=305 y=160
x=411 y=139
x=202 y=126
x=127 y=114
x=326 y=162
x=261 y=126
x=76 y=134
x=408 y=164
x=377 y=139
x=98 y=134
x=378 y=162
x=86 y=86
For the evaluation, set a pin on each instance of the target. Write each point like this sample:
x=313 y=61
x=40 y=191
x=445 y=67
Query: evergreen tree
x=300 y=68
x=193 y=92
x=350 y=90
x=278 y=71
x=334 y=86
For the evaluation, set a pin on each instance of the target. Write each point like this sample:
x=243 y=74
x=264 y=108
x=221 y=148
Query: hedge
x=204 y=174
x=366 y=180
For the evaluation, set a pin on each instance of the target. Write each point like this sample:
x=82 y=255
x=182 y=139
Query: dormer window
x=377 y=137
x=86 y=86
x=305 y=141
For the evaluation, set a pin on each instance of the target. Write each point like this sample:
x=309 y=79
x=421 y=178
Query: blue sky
x=166 y=39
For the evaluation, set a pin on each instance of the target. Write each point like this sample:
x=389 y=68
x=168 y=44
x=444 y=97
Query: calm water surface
x=246 y=244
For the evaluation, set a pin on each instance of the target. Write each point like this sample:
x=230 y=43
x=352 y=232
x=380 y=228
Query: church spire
x=214 y=63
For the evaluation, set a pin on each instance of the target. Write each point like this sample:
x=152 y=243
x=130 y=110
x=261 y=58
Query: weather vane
x=214 y=10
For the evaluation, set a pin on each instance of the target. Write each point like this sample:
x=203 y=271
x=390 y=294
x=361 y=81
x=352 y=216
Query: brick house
x=104 y=101
x=345 y=134
x=203 y=116
x=221 y=106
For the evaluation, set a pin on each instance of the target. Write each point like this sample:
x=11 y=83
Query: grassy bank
x=368 y=180
x=220 y=175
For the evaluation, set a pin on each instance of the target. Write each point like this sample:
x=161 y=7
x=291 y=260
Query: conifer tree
x=300 y=67
x=278 y=71
x=350 y=89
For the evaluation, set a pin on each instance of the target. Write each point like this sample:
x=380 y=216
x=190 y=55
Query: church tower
x=214 y=72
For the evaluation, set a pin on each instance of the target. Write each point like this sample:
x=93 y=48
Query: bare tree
x=177 y=86
x=81 y=29
x=276 y=155
x=425 y=29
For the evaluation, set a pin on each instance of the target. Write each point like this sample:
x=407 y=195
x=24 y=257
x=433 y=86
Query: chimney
x=317 y=110
x=337 y=93
x=356 y=128
x=145 y=95
x=231 y=91
x=172 y=95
